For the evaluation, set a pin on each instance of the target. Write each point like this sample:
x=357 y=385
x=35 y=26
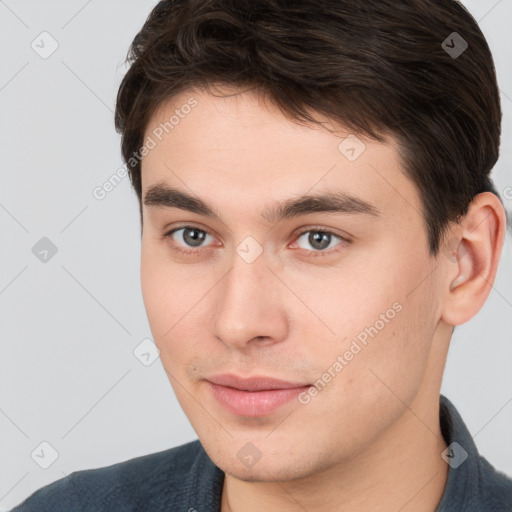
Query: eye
x=189 y=239
x=320 y=240
x=187 y=236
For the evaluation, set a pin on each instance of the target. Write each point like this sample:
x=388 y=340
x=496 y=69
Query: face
x=287 y=281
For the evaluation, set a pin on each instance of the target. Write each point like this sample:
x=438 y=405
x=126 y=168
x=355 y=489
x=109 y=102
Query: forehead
x=243 y=148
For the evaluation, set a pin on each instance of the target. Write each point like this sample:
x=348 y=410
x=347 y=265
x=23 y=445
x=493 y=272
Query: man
x=317 y=215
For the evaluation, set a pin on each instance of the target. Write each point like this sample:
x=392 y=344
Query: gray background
x=70 y=325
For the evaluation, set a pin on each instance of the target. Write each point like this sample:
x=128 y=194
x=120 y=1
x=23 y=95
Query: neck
x=402 y=470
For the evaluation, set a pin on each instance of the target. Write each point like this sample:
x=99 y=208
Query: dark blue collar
x=472 y=484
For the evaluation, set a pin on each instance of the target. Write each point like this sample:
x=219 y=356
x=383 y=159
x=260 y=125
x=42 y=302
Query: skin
x=370 y=439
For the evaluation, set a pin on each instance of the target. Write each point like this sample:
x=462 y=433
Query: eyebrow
x=162 y=196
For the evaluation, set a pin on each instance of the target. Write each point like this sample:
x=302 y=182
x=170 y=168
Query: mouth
x=254 y=396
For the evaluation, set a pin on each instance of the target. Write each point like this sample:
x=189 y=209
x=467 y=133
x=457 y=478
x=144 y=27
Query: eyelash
x=343 y=240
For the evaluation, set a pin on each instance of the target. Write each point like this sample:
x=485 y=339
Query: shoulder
x=473 y=484
x=148 y=482
x=494 y=488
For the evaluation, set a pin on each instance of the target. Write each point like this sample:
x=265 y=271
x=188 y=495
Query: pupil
x=316 y=238
x=193 y=240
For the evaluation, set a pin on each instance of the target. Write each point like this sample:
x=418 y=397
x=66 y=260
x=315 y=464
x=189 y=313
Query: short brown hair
x=376 y=66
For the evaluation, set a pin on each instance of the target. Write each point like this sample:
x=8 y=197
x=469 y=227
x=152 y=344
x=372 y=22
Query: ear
x=472 y=253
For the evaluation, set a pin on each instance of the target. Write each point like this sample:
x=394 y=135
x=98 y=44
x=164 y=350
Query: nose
x=251 y=309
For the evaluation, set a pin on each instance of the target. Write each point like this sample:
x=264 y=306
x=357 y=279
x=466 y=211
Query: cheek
x=374 y=377
x=175 y=297
x=168 y=288
x=162 y=291
x=383 y=318
x=156 y=282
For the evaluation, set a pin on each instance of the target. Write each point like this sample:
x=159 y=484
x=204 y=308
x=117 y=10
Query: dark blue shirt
x=184 y=479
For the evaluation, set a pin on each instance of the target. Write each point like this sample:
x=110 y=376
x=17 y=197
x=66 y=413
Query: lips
x=254 y=396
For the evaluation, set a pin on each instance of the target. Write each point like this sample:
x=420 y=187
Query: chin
x=282 y=471
x=273 y=465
